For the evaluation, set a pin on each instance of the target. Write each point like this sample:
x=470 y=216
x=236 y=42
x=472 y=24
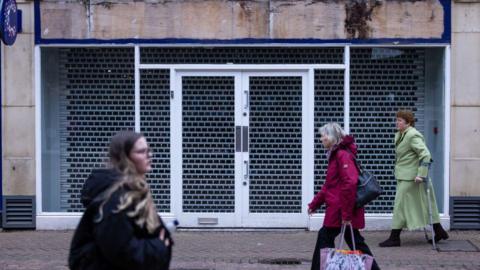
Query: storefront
x=233 y=129
x=230 y=95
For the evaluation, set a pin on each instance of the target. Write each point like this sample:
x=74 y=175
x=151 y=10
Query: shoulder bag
x=368 y=188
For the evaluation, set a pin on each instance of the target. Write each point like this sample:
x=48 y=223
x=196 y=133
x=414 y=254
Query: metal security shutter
x=329 y=98
x=96 y=101
x=382 y=81
x=238 y=55
x=465 y=212
x=155 y=125
x=275 y=144
x=208 y=144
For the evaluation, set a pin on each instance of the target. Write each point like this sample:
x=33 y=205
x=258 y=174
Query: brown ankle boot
x=393 y=240
x=440 y=233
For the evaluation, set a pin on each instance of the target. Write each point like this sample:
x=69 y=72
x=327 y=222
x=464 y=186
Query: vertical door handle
x=247 y=169
x=247 y=99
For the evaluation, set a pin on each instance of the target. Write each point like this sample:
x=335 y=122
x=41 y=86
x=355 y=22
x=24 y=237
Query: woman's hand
x=346 y=222
x=418 y=179
x=162 y=237
x=310 y=211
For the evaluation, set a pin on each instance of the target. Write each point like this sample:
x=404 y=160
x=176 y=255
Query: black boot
x=393 y=240
x=440 y=233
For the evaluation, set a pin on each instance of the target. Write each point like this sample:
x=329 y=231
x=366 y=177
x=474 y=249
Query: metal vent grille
x=238 y=55
x=383 y=81
x=96 y=101
x=208 y=144
x=465 y=212
x=329 y=96
x=18 y=212
x=155 y=125
x=275 y=144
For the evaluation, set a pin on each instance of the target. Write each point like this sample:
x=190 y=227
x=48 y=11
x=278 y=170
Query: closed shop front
x=234 y=130
x=230 y=94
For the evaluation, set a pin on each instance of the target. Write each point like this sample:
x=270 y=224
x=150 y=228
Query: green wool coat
x=410 y=154
x=411 y=202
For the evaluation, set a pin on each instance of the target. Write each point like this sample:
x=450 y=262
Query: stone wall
x=239 y=19
x=222 y=19
x=18 y=111
x=465 y=106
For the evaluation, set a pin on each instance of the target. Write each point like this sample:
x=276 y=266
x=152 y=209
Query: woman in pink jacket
x=338 y=193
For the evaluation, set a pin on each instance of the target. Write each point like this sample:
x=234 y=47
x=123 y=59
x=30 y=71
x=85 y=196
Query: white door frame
x=283 y=219
x=196 y=219
x=241 y=217
x=63 y=220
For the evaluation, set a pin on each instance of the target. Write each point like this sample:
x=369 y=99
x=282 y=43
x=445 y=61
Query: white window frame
x=62 y=220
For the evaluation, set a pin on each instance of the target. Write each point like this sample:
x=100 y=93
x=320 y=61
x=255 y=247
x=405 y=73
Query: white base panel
x=58 y=221
x=67 y=221
x=373 y=222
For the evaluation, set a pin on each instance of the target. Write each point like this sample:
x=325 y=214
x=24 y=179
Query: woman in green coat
x=412 y=159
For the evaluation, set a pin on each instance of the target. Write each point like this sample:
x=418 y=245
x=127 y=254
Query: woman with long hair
x=338 y=193
x=120 y=228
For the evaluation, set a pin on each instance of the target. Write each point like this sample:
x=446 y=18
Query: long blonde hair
x=137 y=192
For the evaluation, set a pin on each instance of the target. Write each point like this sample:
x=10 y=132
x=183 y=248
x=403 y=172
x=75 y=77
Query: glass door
x=237 y=149
x=272 y=196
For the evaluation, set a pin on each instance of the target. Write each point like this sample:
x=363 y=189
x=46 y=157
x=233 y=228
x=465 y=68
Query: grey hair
x=333 y=131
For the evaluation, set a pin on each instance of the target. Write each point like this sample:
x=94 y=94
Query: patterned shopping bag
x=341 y=259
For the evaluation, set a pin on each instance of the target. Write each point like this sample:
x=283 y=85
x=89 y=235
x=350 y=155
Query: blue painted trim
x=445 y=39
x=19 y=21
x=246 y=41
x=447 y=20
x=37 y=22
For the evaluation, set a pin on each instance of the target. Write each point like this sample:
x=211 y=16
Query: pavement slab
x=243 y=250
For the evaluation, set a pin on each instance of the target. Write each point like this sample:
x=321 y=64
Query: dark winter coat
x=115 y=242
x=339 y=190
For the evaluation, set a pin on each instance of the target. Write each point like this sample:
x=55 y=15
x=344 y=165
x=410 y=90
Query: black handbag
x=368 y=188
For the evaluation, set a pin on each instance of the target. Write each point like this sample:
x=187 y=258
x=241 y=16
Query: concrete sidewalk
x=200 y=250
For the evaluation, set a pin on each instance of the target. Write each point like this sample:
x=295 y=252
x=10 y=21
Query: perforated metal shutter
x=239 y=55
x=155 y=125
x=275 y=144
x=96 y=101
x=382 y=81
x=208 y=144
x=329 y=99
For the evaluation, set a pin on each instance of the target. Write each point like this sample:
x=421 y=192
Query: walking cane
x=427 y=189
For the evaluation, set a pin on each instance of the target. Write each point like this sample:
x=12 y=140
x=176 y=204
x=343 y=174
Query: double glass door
x=238 y=149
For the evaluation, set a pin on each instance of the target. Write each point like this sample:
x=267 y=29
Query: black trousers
x=326 y=239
